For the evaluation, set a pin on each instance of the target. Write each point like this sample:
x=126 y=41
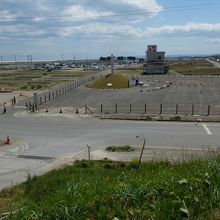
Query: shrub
x=175 y=118
x=124 y=148
x=148 y=118
x=39 y=86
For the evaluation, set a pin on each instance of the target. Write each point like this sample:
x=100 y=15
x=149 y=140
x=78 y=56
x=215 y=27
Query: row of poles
x=43 y=98
x=176 y=109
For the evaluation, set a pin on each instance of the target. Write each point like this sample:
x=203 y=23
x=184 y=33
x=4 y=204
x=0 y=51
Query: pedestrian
x=30 y=105
x=14 y=99
x=4 y=108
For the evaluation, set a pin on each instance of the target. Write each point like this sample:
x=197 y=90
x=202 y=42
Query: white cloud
x=42 y=5
x=78 y=12
x=21 y=30
x=149 y=6
x=120 y=30
x=189 y=28
x=213 y=40
x=6 y=15
x=100 y=30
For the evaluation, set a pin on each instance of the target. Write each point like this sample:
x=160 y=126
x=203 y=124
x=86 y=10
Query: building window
x=159 y=58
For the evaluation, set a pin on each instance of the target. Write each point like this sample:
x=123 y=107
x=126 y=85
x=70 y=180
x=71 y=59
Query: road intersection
x=60 y=138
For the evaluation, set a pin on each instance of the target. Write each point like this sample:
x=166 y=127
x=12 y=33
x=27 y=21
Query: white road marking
x=206 y=129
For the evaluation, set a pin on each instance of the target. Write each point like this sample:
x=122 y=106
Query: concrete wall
x=157 y=57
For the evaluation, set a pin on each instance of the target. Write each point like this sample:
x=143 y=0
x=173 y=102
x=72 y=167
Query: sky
x=88 y=29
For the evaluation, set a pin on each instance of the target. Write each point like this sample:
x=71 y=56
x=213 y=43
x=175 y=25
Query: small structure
x=155 y=61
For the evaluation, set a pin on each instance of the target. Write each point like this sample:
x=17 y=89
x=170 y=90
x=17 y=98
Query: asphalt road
x=60 y=137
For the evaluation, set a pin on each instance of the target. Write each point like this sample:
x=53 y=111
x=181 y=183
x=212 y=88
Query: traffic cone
x=46 y=110
x=60 y=110
x=8 y=141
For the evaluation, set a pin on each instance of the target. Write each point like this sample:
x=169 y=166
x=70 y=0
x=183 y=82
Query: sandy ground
x=20 y=95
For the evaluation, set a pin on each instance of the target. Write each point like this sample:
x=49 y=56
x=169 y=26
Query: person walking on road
x=14 y=100
x=4 y=108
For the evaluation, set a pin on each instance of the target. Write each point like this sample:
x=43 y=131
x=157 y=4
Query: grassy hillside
x=116 y=190
x=118 y=81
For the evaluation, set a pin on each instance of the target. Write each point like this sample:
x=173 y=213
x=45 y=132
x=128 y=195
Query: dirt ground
x=19 y=95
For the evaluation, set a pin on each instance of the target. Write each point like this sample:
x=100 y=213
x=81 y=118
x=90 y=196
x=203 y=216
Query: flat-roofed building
x=155 y=61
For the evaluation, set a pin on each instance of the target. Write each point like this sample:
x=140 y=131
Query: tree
x=131 y=58
x=120 y=58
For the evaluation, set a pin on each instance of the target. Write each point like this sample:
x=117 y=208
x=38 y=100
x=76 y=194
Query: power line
x=106 y=13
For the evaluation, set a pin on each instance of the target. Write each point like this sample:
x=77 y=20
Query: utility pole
x=112 y=64
x=200 y=100
x=16 y=61
x=29 y=60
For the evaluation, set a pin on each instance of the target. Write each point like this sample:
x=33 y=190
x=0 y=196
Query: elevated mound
x=117 y=81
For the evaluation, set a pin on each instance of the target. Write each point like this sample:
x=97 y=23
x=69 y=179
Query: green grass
x=124 y=148
x=192 y=67
x=108 y=190
x=175 y=118
x=19 y=79
x=118 y=82
x=130 y=72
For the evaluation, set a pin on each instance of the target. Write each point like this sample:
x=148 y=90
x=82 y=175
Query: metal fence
x=41 y=98
x=176 y=109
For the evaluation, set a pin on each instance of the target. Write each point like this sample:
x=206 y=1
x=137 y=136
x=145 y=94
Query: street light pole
x=142 y=150
x=88 y=152
x=200 y=100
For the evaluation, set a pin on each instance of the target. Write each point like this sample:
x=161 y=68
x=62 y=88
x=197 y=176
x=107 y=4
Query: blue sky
x=48 y=29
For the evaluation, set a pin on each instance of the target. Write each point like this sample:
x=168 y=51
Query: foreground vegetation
x=117 y=190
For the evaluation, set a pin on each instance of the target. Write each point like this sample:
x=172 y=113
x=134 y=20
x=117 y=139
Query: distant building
x=155 y=61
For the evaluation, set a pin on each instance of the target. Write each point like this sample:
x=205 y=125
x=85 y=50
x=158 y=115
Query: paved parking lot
x=169 y=91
